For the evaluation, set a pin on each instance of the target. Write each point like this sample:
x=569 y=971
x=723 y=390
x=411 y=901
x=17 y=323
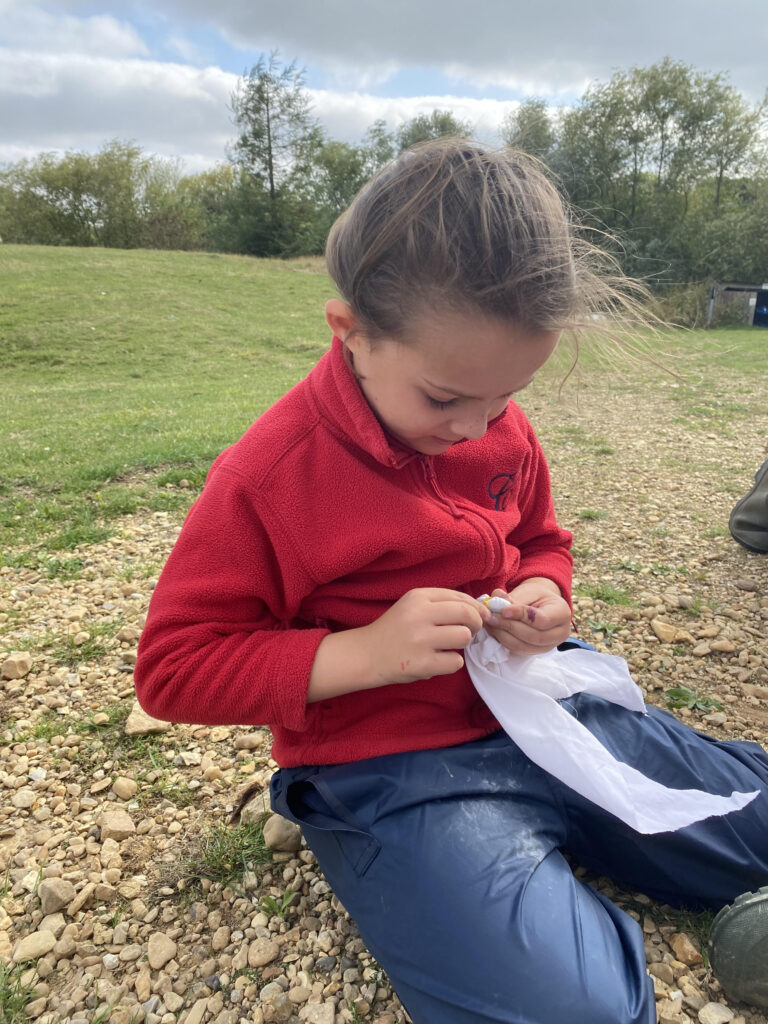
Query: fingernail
x=493 y=620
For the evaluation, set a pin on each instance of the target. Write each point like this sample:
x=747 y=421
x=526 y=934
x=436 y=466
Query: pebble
x=685 y=949
x=281 y=834
x=160 y=950
x=116 y=824
x=34 y=945
x=55 y=894
x=715 y=1013
x=16 y=665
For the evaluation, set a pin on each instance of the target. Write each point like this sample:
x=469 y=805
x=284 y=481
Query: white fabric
x=522 y=693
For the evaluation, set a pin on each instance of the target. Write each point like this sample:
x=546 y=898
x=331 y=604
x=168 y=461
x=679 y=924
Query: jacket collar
x=343 y=406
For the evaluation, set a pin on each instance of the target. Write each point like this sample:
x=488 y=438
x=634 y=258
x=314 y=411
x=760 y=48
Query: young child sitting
x=325 y=584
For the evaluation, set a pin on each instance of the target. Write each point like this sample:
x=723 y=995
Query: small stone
x=300 y=994
x=663 y=972
x=55 y=894
x=126 y=789
x=160 y=950
x=84 y=896
x=75 y=613
x=17 y=665
x=753 y=690
x=116 y=824
x=669 y=634
x=715 y=1013
x=131 y=953
x=53 y=923
x=715 y=718
x=262 y=952
x=723 y=646
x=318 y=1013
x=129 y=634
x=23 y=799
x=249 y=741
x=748 y=585
x=684 y=949
x=220 y=938
x=281 y=834
x=33 y=946
x=110 y=961
x=670 y=1011
x=139 y=723
x=196 y=1013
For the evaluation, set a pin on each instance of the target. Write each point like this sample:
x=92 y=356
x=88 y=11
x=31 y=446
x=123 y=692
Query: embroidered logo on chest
x=500 y=489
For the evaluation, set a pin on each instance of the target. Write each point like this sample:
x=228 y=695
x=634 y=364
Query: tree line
x=665 y=165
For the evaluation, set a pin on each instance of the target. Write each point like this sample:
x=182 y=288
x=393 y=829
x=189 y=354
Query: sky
x=75 y=74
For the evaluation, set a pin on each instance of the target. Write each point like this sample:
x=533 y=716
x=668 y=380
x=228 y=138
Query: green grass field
x=125 y=372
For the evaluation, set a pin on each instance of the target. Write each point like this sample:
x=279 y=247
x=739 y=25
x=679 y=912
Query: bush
x=684 y=305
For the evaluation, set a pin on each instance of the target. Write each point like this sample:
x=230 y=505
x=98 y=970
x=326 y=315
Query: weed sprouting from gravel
x=16 y=993
x=226 y=852
x=605 y=592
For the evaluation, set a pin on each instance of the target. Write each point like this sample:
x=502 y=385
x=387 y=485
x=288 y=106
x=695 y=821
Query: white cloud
x=73 y=80
x=27 y=27
x=75 y=102
x=554 y=45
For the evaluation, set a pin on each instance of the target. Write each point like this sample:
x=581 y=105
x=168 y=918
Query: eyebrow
x=460 y=394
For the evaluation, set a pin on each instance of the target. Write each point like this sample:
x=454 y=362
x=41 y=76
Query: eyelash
x=438 y=404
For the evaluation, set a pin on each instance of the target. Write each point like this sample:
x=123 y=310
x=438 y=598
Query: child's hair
x=454 y=226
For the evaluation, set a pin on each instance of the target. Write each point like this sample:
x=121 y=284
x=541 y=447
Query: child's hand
x=538 y=619
x=421 y=634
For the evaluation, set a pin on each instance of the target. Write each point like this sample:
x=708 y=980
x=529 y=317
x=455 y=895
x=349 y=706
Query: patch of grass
x=63 y=568
x=62 y=648
x=15 y=994
x=591 y=513
x=49 y=725
x=114 y=400
x=694 y=609
x=227 y=852
x=605 y=592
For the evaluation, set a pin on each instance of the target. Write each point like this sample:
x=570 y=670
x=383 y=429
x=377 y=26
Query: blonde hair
x=454 y=226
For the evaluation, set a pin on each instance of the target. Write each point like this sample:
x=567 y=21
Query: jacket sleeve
x=544 y=547
x=218 y=645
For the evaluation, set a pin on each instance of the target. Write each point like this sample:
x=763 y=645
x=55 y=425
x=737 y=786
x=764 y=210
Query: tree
x=380 y=146
x=437 y=125
x=118 y=197
x=279 y=135
x=530 y=128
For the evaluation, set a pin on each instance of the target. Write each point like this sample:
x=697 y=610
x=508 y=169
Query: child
x=325 y=583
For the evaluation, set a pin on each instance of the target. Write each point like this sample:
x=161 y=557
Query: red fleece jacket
x=317 y=521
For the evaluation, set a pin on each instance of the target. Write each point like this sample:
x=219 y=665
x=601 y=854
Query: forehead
x=477 y=356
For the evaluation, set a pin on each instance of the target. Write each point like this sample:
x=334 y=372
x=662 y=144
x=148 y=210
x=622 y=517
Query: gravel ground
x=109 y=821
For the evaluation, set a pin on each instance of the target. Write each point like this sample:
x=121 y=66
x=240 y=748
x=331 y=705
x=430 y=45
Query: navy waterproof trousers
x=450 y=862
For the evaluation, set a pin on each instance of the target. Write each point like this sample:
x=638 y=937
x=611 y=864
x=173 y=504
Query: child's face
x=455 y=375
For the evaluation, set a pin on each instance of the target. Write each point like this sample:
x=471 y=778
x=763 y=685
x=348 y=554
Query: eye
x=437 y=404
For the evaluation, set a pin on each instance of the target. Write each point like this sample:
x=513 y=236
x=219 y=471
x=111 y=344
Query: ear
x=340 y=318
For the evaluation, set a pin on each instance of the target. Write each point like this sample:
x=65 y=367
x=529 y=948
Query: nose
x=472 y=426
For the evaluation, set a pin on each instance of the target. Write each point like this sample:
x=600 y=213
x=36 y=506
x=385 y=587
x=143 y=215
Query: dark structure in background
x=745 y=304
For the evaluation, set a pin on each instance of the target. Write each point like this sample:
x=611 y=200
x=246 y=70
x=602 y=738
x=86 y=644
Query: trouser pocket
x=329 y=827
